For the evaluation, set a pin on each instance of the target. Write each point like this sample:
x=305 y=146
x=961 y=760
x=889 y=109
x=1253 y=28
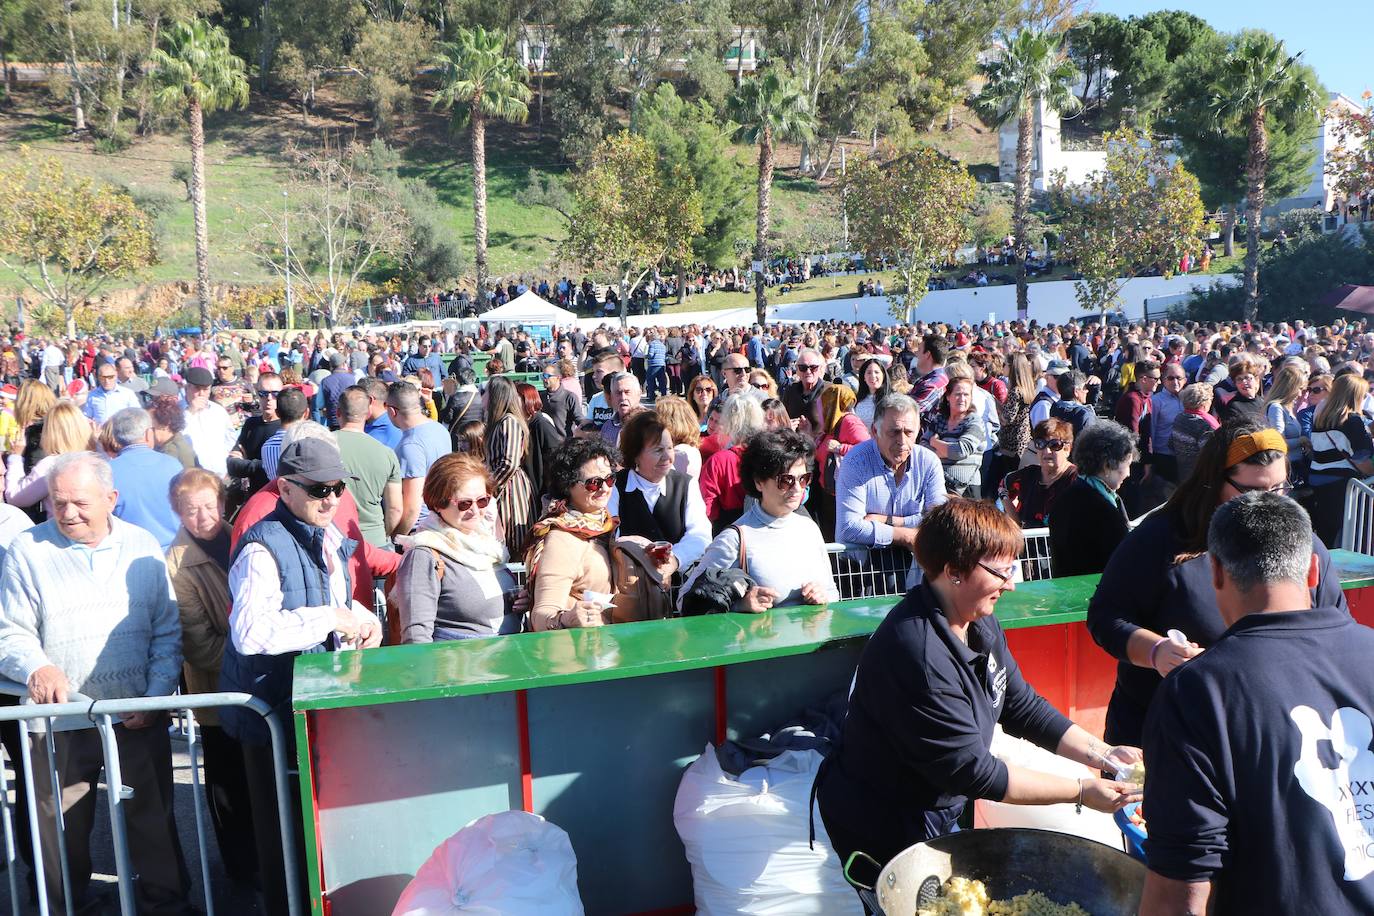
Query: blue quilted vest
x=298 y=549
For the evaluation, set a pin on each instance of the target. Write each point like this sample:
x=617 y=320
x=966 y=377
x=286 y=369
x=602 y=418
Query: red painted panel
x=1361 y=601
x=522 y=725
x=722 y=712
x=1067 y=668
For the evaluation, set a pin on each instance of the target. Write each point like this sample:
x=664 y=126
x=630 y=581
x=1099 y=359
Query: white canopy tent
x=529 y=308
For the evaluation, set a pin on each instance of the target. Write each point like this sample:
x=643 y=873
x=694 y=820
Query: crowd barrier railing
x=102 y=715
x=1357 y=527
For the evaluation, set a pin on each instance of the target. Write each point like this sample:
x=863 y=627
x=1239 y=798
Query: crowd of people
x=225 y=505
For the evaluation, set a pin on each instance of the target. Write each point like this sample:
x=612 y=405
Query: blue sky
x=1330 y=31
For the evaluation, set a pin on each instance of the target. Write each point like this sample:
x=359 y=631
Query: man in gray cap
x=292 y=594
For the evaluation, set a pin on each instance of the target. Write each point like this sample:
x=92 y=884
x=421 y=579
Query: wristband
x=1078 y=808
x=1154 y=650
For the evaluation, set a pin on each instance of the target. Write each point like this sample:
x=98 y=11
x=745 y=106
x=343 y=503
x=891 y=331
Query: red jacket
x=722 y=489
x=368 y=562
x=850 y=433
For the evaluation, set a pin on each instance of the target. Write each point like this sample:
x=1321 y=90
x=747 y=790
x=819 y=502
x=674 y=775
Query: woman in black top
x=654 y=500
x=1247 y=374
x=933 y=681
x=1090 y=519
x=545 y=439
x=1028 y=494
x=1160 y=578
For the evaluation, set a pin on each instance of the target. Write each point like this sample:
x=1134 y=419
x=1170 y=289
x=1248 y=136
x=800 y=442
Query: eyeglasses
x=737 y=370
x=268 y=394
x=1054 y=445
x=320 y=490
x=1316 y=390
x=1283 y=489
x=1153 y=378
x=788 y=481
x=763 y=386
x=1173 y=378
x=1005 y=575
x=808 y=367
x=596 y=483
x=463 y=505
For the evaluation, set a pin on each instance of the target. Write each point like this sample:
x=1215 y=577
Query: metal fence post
x=116 y=793
x=198 y=792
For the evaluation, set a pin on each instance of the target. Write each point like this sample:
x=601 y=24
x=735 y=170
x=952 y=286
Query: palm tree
x=479 y=80
x=1257 y=79
x=768 y=109
x=1031 y=72
x=198 y=71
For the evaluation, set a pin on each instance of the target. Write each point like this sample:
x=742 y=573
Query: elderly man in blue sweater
x=86 y=609
x=143 y=476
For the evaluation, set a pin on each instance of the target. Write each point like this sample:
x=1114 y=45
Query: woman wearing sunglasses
x=453 y=583
x=781 y=550
x=1027 y=494
x=569 y=552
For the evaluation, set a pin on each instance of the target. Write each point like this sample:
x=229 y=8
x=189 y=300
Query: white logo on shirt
x=998 y=676
x=1345 y=789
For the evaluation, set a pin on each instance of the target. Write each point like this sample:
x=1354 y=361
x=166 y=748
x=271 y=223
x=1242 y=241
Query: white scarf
x=479 y=551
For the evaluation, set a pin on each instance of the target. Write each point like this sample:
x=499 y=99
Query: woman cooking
x=1159 y=579
x=933 y=681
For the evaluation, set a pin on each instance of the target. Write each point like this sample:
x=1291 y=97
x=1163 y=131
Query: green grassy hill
x=246 y=155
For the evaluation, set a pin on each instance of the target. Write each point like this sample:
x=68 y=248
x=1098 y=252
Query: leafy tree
x=67 y=237
x=198 y=73
x=1216 y=151
x=343 y=222
x=479 y=80
x=1142 y=211
x=432 y=256
x=584 y=62
x=544 y=190
x=910 y=210
x=1091 y=44
x=653 y=33
x=1293 y=278
x=385 y=59
x=952 y=34
x=769 y=108
x=631 y=213
x=686 y=136
x=816 y=38
x=1029 y=73
x=1351 y=163
x=1259 y=77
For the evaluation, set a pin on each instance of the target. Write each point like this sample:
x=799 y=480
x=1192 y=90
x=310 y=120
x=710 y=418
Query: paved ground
x=229 y=899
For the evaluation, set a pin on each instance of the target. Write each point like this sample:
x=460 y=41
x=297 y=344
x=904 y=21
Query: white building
x=1048 y=156
x=744 y=54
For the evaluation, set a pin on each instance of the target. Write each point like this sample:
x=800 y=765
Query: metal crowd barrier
x=1357 y=529
x=101 y=715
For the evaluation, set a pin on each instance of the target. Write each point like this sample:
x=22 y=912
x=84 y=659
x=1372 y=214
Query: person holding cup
x=569 y=552
x=653 y=499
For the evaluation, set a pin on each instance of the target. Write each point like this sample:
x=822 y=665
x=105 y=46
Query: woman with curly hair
x=168 y=421
x=569 y=552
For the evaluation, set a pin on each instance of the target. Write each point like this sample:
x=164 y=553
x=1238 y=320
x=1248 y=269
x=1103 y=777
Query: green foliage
x=1139 y=212
x=431 y=256
x=1029 y=70
x=631 y=213
x=386 y=58
x=476 y=74
x=1351 y=163
x=910 y=210
x=1293 y=278
x=584 y=65
x=952 y=33
x=770 y=107
x=687 y=137
x=988 y=220
x=197 y=66
x=67 y=237
x=544 y=190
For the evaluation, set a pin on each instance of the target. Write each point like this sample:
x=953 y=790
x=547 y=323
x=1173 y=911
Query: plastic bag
x=1091 y=825
x=509 y=864
x=747 y=840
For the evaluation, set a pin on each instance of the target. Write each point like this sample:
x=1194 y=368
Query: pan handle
x=866 y=892
x=849 y=863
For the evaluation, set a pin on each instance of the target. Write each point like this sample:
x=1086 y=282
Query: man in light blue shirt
x=109 y=397
x=143 y=477
x=423 y=442
x=884 y=488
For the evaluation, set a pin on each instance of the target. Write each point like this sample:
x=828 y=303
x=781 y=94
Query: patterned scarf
x=479 y=551
x=587 y=525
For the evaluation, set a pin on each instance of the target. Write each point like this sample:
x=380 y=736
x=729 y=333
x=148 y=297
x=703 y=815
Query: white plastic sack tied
x=509 y=864
x=747 y=840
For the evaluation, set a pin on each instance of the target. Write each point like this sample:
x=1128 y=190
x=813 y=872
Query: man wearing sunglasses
x=292 y=592
x=801 y=395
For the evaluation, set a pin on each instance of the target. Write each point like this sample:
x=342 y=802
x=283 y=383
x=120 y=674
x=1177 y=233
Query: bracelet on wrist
x=1078 y=807
x=1154 y=650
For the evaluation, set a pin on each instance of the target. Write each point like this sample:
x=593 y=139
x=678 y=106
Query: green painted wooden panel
x=531 y=660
